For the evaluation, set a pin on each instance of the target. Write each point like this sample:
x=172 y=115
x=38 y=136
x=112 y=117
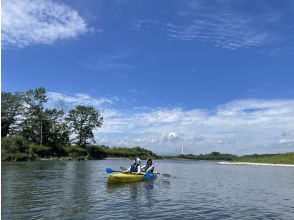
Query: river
x=196 y=190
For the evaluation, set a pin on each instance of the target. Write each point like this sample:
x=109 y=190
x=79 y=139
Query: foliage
x=24 y=113
x=33 y=127
x=16 y=148
x=75 y=152
x=98 y=152
x=11 y=109
x=29 y=127
x=55 y=131
x=19 y=157
x=42 y=151
x=14 y=144
x=83 y=120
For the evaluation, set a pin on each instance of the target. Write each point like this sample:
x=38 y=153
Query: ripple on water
x=196 y=190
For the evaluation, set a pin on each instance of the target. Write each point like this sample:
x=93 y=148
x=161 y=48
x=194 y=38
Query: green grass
x=287 y=158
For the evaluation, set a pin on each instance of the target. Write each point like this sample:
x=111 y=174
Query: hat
x=137 y=161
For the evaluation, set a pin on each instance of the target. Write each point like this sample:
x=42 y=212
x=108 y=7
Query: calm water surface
x=196 y=190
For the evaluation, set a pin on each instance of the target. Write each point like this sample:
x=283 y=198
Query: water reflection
x=133 y=189
x=196 y=190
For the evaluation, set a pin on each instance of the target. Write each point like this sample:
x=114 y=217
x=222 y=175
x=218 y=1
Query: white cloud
x=106 y=63
x=286 y=141
x=80 y=99
x=244 y=126
x=240 y=126
x=287 y=138
x=223 y=25
x=28 y=22
x=139 y=24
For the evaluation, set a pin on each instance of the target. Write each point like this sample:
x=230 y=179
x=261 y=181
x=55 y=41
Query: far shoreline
x=255 y=164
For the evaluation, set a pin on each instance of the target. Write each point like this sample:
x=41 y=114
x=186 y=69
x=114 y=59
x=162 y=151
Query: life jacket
x=134 y=168
x=146 y=167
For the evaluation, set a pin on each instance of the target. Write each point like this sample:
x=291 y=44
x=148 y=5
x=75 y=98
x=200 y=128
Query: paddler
x=135 y=167
x=149 y=167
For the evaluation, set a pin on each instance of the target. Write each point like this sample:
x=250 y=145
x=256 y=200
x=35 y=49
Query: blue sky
x=206 y=75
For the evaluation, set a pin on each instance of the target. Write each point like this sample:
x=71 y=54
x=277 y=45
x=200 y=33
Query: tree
x=41 y=125
x=56 y=131
x=83 y=120
x=11 y=109
x=32 y=126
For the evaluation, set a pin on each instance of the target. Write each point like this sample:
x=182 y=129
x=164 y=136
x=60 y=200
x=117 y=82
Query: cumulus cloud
x=172 y=137
x=240 y=126
x=29 y=22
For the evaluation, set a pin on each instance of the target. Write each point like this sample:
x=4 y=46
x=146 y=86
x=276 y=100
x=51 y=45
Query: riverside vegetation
x=32 y=131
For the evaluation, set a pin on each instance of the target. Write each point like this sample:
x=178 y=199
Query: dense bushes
x=98 y=152
x=41 y=151
x=18 y=148
x=75 y=152
x=13 y=144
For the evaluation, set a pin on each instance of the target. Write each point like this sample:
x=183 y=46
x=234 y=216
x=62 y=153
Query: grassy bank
x=210 y=156
x=287 y=158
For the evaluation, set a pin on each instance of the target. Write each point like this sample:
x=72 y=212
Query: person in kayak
x=149 y=167
x=135 y=167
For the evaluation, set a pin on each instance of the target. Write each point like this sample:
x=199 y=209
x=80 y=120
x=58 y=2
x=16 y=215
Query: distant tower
x=182 y=150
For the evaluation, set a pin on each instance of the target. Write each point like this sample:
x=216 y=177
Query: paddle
x=149 y=176
x=109 y=170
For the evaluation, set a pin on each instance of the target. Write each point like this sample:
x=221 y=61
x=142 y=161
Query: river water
x=196 y=190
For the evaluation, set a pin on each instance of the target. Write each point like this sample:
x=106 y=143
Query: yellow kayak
x=126 y=177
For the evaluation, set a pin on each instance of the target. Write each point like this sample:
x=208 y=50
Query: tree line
x=209 y=156
x=32 y=129
x=25 y=114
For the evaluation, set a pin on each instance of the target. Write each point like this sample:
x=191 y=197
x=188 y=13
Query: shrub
x=75 y=152
x=19 y=157
x=14 y=144
x=98 y=152
x=42 y=151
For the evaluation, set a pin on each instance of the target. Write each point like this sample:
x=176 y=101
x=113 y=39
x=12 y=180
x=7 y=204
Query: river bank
x=255 y=164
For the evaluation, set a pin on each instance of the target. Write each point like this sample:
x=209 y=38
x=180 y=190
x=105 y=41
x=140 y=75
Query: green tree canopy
x=11 y=110
x=32 y=125
x=83 y=120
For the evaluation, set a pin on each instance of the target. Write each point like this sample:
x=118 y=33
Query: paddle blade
x=149 y=176
x=166 y=175
x=108 y=170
